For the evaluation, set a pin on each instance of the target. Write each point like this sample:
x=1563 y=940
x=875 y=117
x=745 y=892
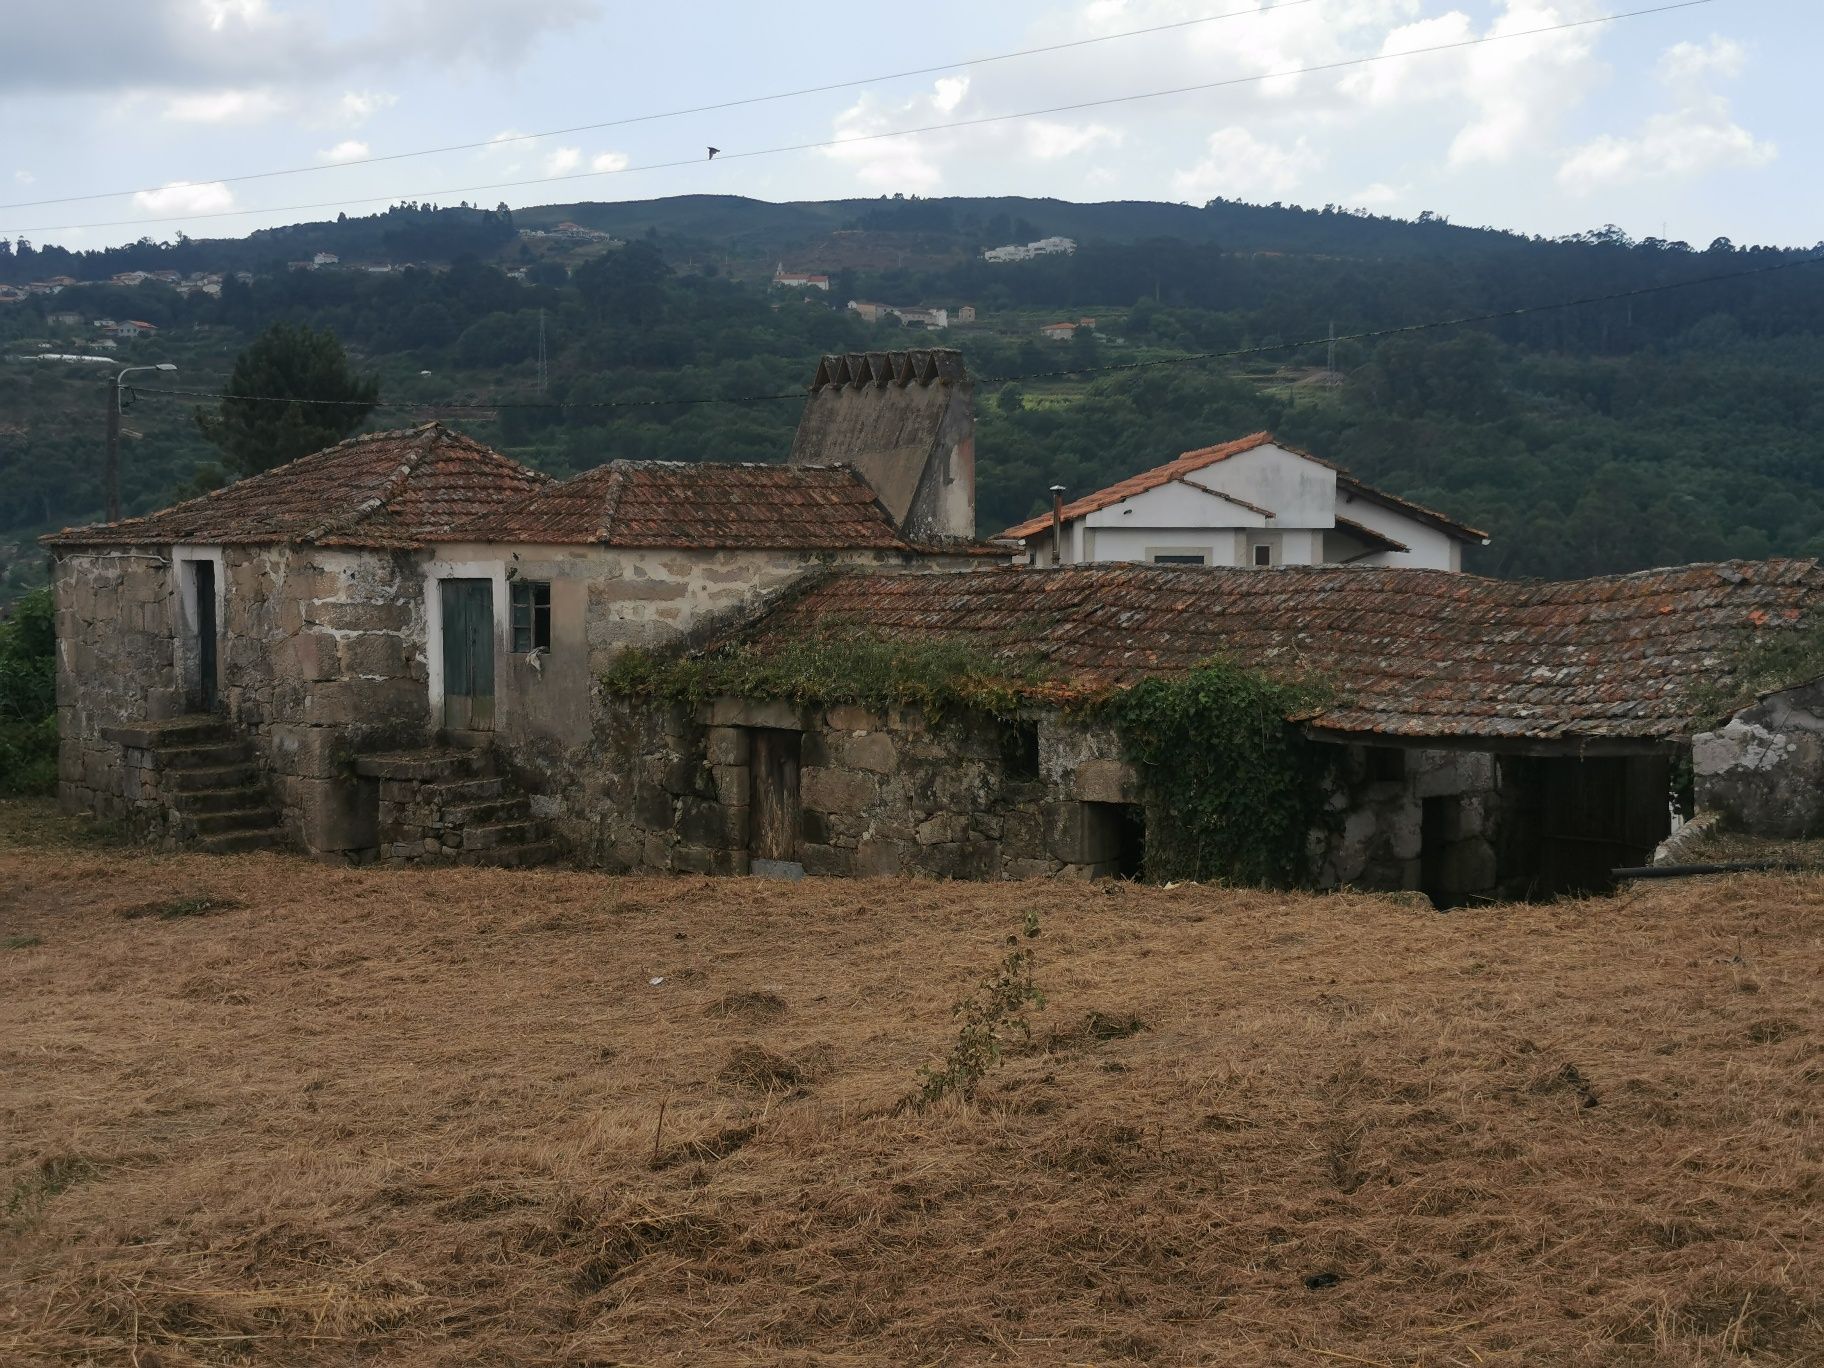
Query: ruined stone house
x=1495 y=738
x=243 y=668
x=393 y=649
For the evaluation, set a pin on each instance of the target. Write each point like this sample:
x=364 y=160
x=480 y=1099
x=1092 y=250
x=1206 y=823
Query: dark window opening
x=1386 y=764
x=1117 y=837
x=1178 y=558
x=1020 y=750
x=531 y=606
x=1263 y=553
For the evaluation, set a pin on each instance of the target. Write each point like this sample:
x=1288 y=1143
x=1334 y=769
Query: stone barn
x=1493 y=738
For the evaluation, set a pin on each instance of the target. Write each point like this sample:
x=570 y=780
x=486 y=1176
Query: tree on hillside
x=308 y=368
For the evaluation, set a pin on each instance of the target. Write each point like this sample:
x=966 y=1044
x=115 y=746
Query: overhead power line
x=1280 y=8
x=1186 y=358
x=726 y=156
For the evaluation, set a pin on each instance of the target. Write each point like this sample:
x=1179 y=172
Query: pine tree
x=308 y=368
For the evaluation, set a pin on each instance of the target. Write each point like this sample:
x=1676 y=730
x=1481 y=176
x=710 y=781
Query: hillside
x=264 y=1111
x=1673 y=424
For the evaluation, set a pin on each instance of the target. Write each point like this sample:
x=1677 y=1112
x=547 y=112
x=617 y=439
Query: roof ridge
x=611 y=502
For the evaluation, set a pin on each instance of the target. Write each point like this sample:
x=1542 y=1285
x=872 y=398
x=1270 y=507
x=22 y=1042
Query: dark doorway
x=1568 y=822
x=1435 y=833
x=468 y=654
x=774 y=815
x=207 y=695
x=1116 y=838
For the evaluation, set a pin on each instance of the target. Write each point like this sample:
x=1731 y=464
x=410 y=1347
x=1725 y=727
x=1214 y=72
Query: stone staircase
x=196 y=781
x=451 y=805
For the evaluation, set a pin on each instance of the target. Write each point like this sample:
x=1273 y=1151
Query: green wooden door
x=468 y=654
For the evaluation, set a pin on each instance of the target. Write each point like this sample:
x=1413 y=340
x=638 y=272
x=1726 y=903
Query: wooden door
x=468 y=654
x=774 y=817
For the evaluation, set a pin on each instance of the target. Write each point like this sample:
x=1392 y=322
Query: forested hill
x=1672 y=425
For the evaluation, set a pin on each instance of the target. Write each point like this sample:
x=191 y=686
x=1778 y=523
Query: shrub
x=28 y=697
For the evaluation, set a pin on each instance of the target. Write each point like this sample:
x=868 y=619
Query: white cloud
x=560 y=161
x=1048 y=141
x=217 y=13
x=24 y=177
x=903 y=163
x=949 y=93
x=348 y=150
x=1380 y=195
x=1699 y=134
x=358 y=106
x=608 y=161
x=183 y=197
x=224 y=106
x=1242 y=166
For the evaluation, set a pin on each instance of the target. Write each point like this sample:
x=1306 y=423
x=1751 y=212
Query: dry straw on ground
x=414 y=1118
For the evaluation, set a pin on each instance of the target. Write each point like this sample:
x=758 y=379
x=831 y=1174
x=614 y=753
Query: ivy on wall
x=1237 y=789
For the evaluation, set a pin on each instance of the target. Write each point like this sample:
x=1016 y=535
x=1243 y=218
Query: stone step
x=515 y=809
x=453 y=792
x=513 y=856
x=191 y=729
x=235 y=819
x=211 y=777
x=467 y=740
x=241 y=798
x=499 y=834
x=203 y=755
x=421 y=765
x=250 y=838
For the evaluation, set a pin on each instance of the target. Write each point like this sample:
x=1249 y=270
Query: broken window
x=531 y=604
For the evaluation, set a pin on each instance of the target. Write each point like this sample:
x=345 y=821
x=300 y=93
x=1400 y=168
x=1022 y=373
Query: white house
x=800 y=279
x=1255 y=502
x=325 y=259
x=135 y=327
x=1051 y=246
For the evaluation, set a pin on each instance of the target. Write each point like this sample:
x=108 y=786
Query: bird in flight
x=712 y=152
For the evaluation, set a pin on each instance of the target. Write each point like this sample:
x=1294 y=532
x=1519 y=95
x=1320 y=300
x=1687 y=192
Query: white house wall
x=1299 y=491
x=1174 y=505
x=1431 y=549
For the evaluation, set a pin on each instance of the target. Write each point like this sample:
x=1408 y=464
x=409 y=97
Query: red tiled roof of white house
x=1406 y=653
x=1204 y=457
x=384 y=489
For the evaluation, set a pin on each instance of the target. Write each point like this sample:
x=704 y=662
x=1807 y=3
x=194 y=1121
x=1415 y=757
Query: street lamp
x=111 y=476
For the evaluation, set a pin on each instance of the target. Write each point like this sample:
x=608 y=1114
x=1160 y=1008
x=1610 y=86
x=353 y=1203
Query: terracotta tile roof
x=702 y=505
x=384 y=489
x=1203 y=457
x=1409 y=653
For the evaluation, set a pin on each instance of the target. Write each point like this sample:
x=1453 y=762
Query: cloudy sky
x=1692 y=124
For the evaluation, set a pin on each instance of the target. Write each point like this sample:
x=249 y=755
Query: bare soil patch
x=351 y=1117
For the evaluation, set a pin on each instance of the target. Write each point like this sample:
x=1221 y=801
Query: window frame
x=529 y=616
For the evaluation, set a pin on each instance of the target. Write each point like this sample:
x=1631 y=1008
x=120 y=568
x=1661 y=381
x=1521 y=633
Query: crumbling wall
x=1763 y=770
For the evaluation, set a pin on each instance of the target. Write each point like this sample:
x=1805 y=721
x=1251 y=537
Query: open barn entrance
x=1569 y=821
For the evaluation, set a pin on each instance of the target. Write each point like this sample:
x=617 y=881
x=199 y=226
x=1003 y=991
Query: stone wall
x=320 y=654
x=1378 y=839
x=880 y=793
x=1763 y=770
x=116 y=663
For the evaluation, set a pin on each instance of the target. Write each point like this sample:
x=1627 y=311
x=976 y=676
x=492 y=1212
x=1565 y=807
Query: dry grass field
x=260 y=1111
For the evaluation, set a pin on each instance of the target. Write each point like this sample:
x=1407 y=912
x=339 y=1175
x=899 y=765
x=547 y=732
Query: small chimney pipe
x=1057 y=524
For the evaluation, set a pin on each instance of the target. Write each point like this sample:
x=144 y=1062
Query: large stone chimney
x=906 y=421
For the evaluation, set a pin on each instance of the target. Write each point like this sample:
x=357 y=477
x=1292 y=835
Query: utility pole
x=541 y=352
x=110 y=475
x=111 y=470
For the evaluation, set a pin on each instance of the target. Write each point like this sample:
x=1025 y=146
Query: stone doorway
x=775 y=814
x=468 y=654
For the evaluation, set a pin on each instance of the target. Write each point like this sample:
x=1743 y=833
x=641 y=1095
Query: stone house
x=1494 y=738
x=1254 y=502
x=230 y=667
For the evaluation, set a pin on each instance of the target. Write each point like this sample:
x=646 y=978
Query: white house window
x=1180 y=558
x=531 y=603
x=1263 y=553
